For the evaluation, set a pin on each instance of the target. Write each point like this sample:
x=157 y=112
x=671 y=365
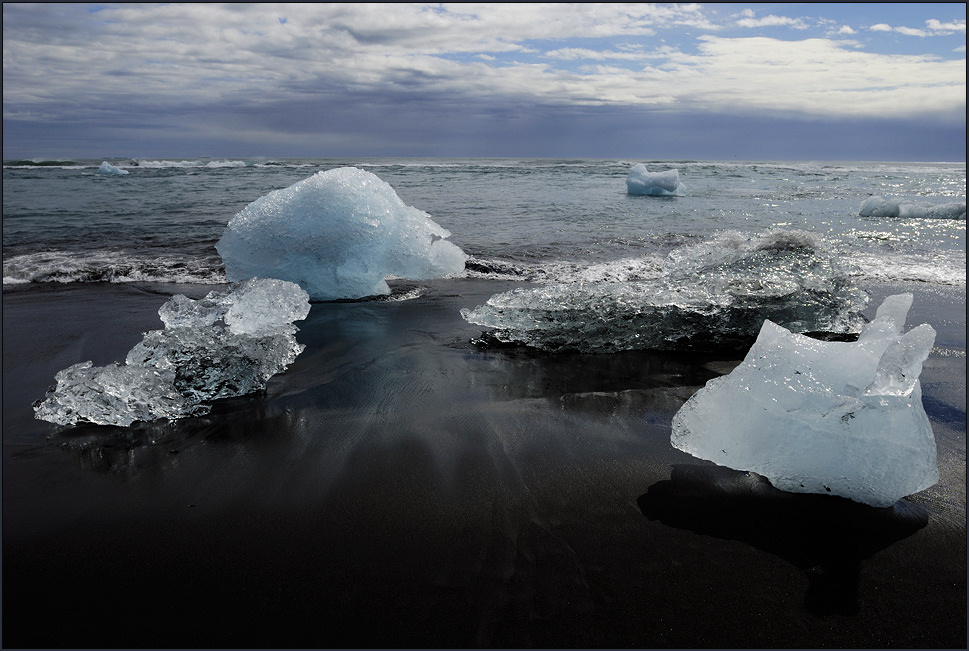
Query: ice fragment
x=337 y=234
x=822 y=417
x=642 y=181
x=226 y=344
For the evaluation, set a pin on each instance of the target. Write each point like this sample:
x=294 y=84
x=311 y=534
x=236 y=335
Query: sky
x=808 y=81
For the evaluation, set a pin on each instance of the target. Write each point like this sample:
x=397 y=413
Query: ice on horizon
x=715 y=294
x=877 y=206
x=224 y=345
x=641 y=181
x=821 y=417
x=109 y=169
x=337 y=234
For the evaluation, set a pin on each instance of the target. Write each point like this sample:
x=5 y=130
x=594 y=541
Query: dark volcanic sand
x=400 y=487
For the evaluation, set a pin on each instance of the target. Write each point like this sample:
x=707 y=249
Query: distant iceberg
x=657 y=184
x=108 y=168
x=338 y=235
x=226 y=344
x=823 y=417
x=711 y=295
x=881 y=207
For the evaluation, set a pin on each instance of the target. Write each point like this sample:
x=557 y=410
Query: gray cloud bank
x=473 y=80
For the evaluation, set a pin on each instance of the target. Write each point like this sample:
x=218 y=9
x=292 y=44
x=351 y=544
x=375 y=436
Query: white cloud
x=845 y=29
x=572 y=53
x=822 y=77
x=911 y=31
x=946 y=28
x=933 y=26
x=770 y=21
x=208 y=57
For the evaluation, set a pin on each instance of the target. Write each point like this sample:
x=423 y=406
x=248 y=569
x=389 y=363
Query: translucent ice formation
x=642 y=181
x=823 y=417
x=337 y=234
x=712 y=295
x=881 y=207
x=226 y=344
x=108 y=168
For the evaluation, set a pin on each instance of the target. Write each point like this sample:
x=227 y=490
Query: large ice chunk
x=823 y=417
x=714 y=294
x=662 y=184
x=337 y=234
x=226 y=344
x=108 y=168
x=881 y=207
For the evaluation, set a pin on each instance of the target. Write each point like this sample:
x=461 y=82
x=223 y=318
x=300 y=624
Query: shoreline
x=399 y=486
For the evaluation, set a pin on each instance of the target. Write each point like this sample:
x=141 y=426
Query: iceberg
x=881 y=207
x=224 y=345
x=108 y=168
x=338 y=235
x=661 y=184
x=711 y=295
x=832 y=418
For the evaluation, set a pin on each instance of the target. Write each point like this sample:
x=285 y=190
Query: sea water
x=534 y=220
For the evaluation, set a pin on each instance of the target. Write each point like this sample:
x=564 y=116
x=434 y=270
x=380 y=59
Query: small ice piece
x=953 y=210
x=663 y=184
x=338 y=235
x=108 y=168
x=112 y=395
x=823 y=417
x=226 y=344
x=265 y=305
x=878 y=207
x=881 y=207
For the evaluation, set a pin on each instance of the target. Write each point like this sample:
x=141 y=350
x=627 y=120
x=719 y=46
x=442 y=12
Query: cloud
x=939 y=27
x=933 y=26
x=910 y=31
x=284 y=73
x=770 y=21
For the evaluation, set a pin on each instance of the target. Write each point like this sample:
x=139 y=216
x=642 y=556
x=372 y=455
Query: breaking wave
x=112 y=267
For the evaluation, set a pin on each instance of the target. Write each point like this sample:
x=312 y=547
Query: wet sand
x=401 y=487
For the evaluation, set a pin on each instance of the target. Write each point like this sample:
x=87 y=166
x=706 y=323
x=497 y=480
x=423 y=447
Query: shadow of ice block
x=827 y=538
x=822 y=417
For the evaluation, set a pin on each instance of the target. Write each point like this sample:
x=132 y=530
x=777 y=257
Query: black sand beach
x=400 y=487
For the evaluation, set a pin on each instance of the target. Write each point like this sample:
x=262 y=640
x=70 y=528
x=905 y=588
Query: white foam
x=164 y=164
x=111 y=266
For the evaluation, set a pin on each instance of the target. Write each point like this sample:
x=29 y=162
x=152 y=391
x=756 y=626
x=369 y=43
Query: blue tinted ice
x=337 y=234
x=882 y=207
x=108 y=168
x=662 y=184
x=823 y=417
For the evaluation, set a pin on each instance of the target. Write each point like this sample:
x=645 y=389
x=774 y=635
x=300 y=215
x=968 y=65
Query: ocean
x=436 y=470
x=550 y=220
